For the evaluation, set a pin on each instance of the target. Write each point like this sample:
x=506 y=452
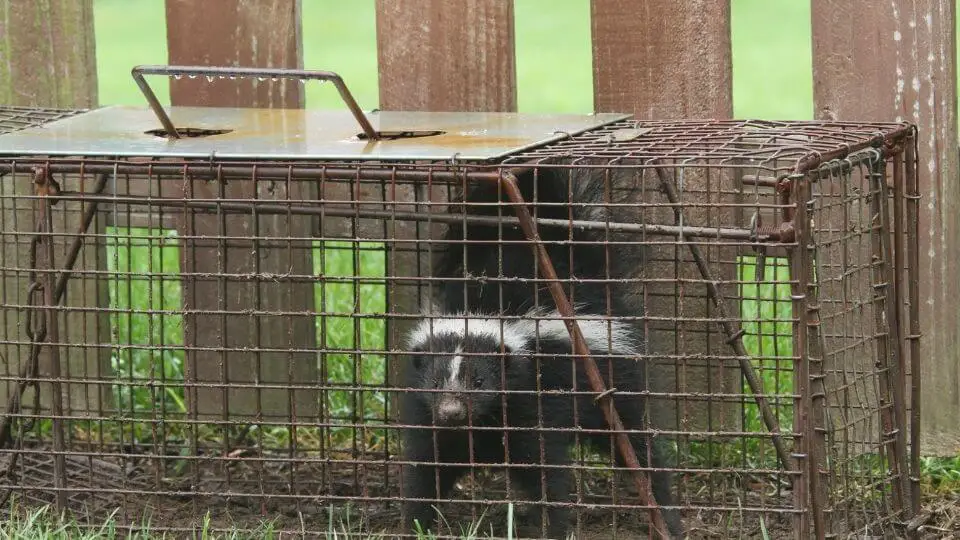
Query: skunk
x=495 y=353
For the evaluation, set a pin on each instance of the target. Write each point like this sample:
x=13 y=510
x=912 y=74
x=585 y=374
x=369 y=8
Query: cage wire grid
x=224 y=335
x=18 y=118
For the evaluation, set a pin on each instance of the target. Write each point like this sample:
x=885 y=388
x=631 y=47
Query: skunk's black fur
x=575 y=194
x=457 y=354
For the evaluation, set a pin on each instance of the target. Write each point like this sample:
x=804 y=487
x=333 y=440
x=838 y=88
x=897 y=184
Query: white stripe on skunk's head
x=459 y=359
x=503 y=331
x=521 y=335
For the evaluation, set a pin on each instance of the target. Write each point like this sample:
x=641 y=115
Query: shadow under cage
x=337 y=321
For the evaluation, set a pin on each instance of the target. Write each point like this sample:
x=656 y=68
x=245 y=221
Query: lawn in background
x=771 y=53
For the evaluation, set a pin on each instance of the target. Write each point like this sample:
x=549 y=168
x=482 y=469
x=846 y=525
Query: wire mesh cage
x=623 y=328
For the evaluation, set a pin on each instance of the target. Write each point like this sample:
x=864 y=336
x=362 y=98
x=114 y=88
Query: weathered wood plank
x=897 y=61
x=47 y=53
x=660 y=60
x=672 y=60
x=446 y=56
x=242 y=33
x=248 y=34
x=47 y=59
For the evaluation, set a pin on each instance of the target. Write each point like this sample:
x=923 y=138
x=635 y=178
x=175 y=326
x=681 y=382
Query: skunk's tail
x=491 y=268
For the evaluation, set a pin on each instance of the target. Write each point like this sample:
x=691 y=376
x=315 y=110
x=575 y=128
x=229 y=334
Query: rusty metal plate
x=123 y=131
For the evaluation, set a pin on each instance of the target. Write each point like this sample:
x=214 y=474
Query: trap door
x=296 y=134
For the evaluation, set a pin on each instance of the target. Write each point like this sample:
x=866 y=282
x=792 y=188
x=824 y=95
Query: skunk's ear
x=515 y=359
x=417 y=360
x=416 y=356
x=430 y=306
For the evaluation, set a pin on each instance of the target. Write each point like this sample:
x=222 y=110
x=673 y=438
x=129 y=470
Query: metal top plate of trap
x=122 y=131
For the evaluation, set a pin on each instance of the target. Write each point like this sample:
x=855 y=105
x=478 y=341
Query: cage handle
x=138 y=73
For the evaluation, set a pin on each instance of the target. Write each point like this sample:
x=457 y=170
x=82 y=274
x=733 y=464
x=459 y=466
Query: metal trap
x=226 y=294
x=292 y=134
x=104 y=483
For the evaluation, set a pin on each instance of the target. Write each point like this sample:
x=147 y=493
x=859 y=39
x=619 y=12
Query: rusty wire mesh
x=225 y=343
x=17 y=118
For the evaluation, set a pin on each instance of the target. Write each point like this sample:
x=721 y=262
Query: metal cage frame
x=787 y=161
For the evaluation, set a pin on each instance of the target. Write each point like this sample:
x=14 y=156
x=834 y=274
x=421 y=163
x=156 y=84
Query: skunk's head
x=462 y=361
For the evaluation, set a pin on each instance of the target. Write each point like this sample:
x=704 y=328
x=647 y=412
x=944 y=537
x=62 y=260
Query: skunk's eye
x=477 y=381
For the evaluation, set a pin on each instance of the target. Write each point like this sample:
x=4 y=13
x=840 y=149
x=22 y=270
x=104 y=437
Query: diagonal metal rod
x=582 y=352
x=88 y=214
x=14 y=400
x=45 y=221
x=734 y=336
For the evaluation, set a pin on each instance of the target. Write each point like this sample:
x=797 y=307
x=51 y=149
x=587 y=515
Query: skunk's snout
x=451 y=410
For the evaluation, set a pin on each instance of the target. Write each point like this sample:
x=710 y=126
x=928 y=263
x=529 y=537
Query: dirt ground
x=304 y=499
x=940 y=516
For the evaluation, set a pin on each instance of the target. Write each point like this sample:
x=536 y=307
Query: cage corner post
x=911 y=209
x=216 y=329
x=889 y=323
x=808 y=495
x=60 y=35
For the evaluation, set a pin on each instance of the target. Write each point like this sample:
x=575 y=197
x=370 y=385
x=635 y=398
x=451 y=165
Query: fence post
x=897 y=61
x=245 y=33
x=436 y=55
x=672 y=60
x=48 y=59
x=442 y=56
x=901 y=65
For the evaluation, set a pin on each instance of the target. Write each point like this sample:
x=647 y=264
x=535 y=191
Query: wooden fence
x=655 y=59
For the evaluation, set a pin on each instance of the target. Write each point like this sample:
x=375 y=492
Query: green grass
x=42 y=523
x=146 y=296
x=771 y=53
x=772 y=59
x=339 y=262
x=767 y=312
x=148 y=332
x=940 y=474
